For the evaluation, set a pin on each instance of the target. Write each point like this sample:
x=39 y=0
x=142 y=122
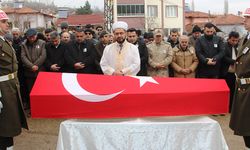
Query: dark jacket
x=55 y=55
x=144 y=58
x=12 y=117
x=227 y=59
x=206 y=48
x=80 y=52
x=99 y=52
x=172 y=43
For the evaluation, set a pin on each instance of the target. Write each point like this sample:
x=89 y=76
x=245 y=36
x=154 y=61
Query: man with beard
x=12 y=117
x=133 y=38
x=209 y=50
x=120 y=58
x=240 y=120
x=80 y=55
x=184 y=61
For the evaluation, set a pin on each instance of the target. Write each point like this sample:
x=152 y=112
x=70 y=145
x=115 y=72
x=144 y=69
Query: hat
x=120 y=25
x=31 y=32
x=103 y=33
x=64 y=25
x=158 y=32
x=3 y=15
x=196 y=28
x=247 y=13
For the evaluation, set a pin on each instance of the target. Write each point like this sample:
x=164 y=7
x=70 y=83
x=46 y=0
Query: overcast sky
x=78 y=3
x=215 y=6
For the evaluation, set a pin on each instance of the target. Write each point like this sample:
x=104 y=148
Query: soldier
x=240 y=120
x=12 y=117
x=185 y=61
x=160 y=55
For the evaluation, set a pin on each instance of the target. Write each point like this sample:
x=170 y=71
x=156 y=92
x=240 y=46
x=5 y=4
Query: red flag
x=68 y=95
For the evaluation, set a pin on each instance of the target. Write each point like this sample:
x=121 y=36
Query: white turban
x=120 y=25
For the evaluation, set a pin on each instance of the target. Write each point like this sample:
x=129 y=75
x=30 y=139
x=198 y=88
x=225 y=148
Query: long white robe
x=125 y=59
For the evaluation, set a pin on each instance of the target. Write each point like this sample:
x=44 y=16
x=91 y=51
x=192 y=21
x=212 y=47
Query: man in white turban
x=121 y=57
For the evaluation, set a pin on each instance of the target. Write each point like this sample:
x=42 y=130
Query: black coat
x=80 y=52
x=55 y=55
x=99 y=52
x=144 y=58
x=214 y=49
x=227 y=59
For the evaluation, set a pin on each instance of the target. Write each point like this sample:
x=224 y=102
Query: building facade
x=148 y=15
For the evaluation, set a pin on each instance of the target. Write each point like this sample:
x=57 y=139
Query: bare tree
x=152 y=22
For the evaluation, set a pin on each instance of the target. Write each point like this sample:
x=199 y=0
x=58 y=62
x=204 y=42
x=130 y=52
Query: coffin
x=69 y=95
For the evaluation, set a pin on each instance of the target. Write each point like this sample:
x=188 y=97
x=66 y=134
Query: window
x=171 y=11
x=152 y=11
x=130 y=10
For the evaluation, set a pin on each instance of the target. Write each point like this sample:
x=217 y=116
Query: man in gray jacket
x=33 y=55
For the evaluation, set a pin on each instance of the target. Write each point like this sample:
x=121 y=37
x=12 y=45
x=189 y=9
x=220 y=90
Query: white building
x=151 y=14
x=25 y=18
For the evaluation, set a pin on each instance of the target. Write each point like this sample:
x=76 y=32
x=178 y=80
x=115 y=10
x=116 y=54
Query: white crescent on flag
x=71 y=84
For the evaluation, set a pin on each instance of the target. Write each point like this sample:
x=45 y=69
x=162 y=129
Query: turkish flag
x=68 y=95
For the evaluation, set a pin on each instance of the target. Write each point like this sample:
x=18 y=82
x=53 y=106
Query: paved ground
x=43 y=135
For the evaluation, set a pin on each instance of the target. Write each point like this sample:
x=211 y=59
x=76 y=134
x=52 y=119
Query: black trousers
x=6 y=142
x=230 y=79
x=247 y=141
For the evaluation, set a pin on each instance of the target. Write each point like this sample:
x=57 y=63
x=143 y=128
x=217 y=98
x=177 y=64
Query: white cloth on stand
x=163 y=133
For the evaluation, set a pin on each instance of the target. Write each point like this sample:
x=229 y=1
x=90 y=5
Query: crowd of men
x=203 y=54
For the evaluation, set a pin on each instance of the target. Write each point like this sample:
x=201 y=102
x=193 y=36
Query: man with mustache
x=120 y=58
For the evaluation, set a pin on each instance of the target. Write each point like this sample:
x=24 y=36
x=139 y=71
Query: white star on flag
x=144 y=80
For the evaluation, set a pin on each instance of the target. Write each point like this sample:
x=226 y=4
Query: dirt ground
x=43 y=135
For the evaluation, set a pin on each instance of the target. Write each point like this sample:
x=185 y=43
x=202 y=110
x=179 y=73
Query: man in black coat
x=55 y=54
x=228 y=63
x=210 y=51
x=132 y=37
x=80 y=55
x=100 y=46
